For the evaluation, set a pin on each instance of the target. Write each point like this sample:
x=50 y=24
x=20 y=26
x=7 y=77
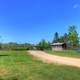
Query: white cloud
x=76 y=6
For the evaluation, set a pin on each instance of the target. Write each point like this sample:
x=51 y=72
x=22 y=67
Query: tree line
x=15 y=46
x=71 y=38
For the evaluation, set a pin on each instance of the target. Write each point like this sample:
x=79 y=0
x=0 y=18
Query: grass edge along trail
x=65 y=53
x=18 y=65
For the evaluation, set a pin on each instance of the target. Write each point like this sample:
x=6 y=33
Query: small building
x=58 y=46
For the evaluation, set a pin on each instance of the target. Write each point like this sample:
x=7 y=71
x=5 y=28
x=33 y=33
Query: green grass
x=68 y=53
x=18 y=65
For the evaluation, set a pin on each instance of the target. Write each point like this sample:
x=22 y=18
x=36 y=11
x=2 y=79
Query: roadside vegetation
x=18 y=65
x=16 y=46
x=65 y=53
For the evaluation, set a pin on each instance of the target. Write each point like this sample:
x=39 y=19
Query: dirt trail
x=55 y=59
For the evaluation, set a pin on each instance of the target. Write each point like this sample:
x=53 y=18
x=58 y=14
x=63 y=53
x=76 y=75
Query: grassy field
x=18 y=65
x=68 y=53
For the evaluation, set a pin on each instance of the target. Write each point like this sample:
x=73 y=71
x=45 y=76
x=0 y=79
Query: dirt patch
x=3 y=71
x=45 y=57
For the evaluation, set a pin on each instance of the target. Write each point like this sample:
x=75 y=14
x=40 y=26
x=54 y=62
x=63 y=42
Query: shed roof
x=54 y=44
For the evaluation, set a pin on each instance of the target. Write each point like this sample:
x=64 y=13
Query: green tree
x=61 y=39
x=73 y=36
x=56 y=37
x=43 y=45
x=65 y=38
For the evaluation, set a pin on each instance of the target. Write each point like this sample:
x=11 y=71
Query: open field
x=68 y=53
x=18 y=65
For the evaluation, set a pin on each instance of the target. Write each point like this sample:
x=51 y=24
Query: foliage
x=43 y=45
x=64 y=38
x=15 y=46
x=61 y=39
x=73 y=36
x=68 y=53
x=56 y=37
x=70 y=38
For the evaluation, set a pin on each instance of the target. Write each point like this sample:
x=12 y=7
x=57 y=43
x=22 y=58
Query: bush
x=43 y=45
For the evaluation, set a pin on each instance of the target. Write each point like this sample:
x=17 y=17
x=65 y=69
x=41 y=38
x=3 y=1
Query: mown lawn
x=18 y=65
x=68 y=53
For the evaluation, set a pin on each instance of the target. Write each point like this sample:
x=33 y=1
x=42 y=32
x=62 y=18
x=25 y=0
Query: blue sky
x=32 y=20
